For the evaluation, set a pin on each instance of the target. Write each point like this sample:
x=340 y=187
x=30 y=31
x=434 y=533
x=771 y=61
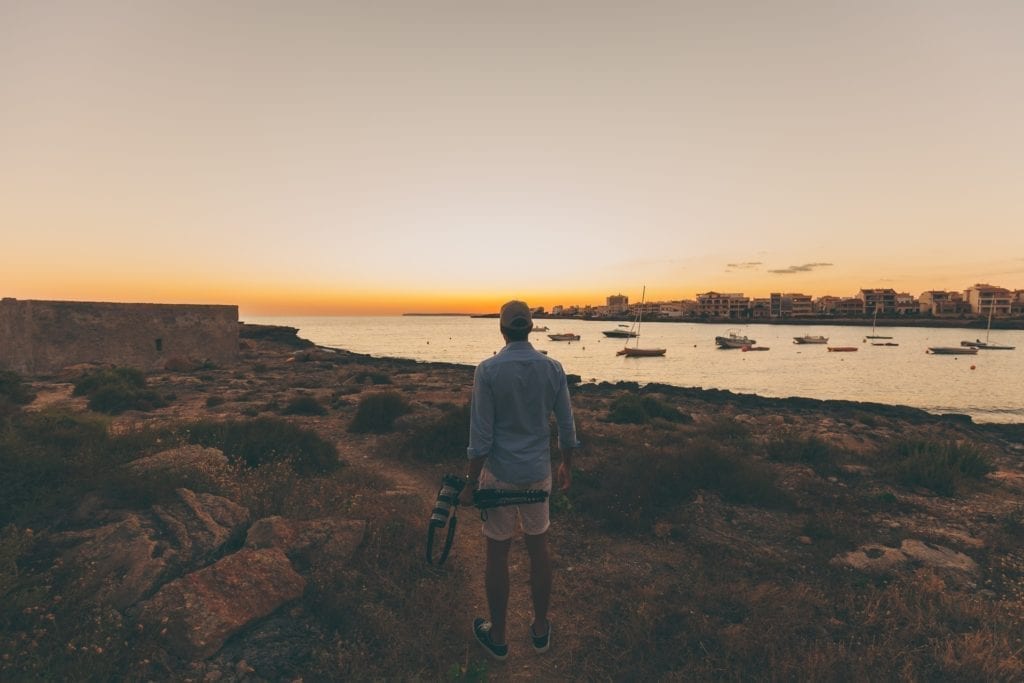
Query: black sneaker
x=541 y=643
x=482 y=631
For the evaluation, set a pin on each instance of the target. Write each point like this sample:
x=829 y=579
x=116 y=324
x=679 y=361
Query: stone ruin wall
x=42 y=337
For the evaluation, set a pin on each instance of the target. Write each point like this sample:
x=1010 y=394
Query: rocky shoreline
x=715 y=532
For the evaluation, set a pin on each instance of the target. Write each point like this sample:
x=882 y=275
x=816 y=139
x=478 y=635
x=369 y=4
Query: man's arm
x=481 y=417
x=472 y=480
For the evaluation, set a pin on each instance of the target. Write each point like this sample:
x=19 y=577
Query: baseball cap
x=515 y=315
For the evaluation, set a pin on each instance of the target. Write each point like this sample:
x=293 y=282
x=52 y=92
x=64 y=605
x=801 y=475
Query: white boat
x=873 y=321
x=621 y=332
x=952 y=350
x=810 y=339
x=634 y=331
x=987 y=345
x=564 y=336
x=540 y=329
x=734 y=341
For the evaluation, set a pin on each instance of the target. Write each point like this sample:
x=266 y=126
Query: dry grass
x=685 y=551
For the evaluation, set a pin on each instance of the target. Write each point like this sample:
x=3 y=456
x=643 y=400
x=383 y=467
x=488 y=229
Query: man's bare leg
x=540 y=580
x=496 y=584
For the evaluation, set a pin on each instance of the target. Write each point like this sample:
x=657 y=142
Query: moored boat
x=620 y=333
x=634 y=331
x=734 y=341
x=564 y=336
x=810 y=339
x=953 y=350
x=985 y=346
x=754 y=348
x=633 y=352
x=842 y=348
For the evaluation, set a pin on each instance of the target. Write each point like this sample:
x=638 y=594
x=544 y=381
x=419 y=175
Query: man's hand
x=564 y=477
x=466 y=497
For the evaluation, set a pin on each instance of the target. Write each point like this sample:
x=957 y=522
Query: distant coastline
x=962 y=323
x=446 y=315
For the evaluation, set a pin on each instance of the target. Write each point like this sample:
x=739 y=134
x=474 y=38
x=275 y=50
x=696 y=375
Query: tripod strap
x=484 y=499
x=449 y=538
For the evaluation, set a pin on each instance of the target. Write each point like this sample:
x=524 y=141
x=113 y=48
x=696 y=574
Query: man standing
x=514 y=394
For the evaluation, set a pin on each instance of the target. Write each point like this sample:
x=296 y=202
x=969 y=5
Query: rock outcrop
x=201 y=523
x=879 y=559
x=197 y=613
x=119 y=563
x=125 y=560
x=315 y=541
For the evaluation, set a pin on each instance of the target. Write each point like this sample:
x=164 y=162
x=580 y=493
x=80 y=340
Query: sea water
x=987 y=386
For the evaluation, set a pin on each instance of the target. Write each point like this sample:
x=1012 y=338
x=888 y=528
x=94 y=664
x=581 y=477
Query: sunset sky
x=392 y=156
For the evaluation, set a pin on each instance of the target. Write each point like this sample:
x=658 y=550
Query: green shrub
x=939 y=466
x=214 y=401
x=790 y=446
x=304 y=405
x=44 y=458
x=443 y=439
x=375 y=378
x=266 y=440
x=13 y=392
x=728 y=430
x=632 y=490
x=659 y=409
x=377 y=413
x=14 y=544
x=627 y=409
x=115 y=390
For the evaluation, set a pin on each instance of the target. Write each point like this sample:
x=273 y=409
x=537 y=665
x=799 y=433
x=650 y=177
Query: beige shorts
x=500 y=524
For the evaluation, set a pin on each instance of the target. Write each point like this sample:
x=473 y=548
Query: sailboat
x=636 y=351
x=985 y=345
x=873 y=322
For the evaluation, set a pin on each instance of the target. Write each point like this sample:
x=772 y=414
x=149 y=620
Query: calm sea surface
x=988 y=386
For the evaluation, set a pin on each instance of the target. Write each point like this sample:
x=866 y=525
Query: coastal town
x=977 y=301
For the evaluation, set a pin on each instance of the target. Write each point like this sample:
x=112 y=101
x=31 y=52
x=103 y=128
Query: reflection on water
x=985 y=386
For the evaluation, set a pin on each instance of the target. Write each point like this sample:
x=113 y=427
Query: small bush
x=374 y=378
x=267 y=440
x=214 y=401
x=939 y=466
x=304 y=405
x=115 y=390
x=659 y=409
x=630 y=492
x=633 y=409
x=790 y=446
x=44 y=459
x=627 y=409
x=443 y=439
x=377 y=413
x=13 y=391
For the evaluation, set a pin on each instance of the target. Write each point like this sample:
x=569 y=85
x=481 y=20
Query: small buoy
x=972 y=367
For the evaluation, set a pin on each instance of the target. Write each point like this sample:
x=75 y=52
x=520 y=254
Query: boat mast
x=991 y=305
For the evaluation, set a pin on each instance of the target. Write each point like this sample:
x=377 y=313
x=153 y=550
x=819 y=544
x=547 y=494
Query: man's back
x=514 y=394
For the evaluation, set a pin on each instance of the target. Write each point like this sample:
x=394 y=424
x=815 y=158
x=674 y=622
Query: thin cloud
x=746 y=265
x=805 y=268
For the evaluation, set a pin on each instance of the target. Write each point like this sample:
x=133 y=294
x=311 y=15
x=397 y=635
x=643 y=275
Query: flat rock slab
x=120 y=562
x=879 y=559
x=200 y=611
x=313 y=540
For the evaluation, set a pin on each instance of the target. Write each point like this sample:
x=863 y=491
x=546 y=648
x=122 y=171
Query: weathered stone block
x=197 y=613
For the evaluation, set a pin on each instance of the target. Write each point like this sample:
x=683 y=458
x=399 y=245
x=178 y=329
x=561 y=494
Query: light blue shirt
x=514 y=394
